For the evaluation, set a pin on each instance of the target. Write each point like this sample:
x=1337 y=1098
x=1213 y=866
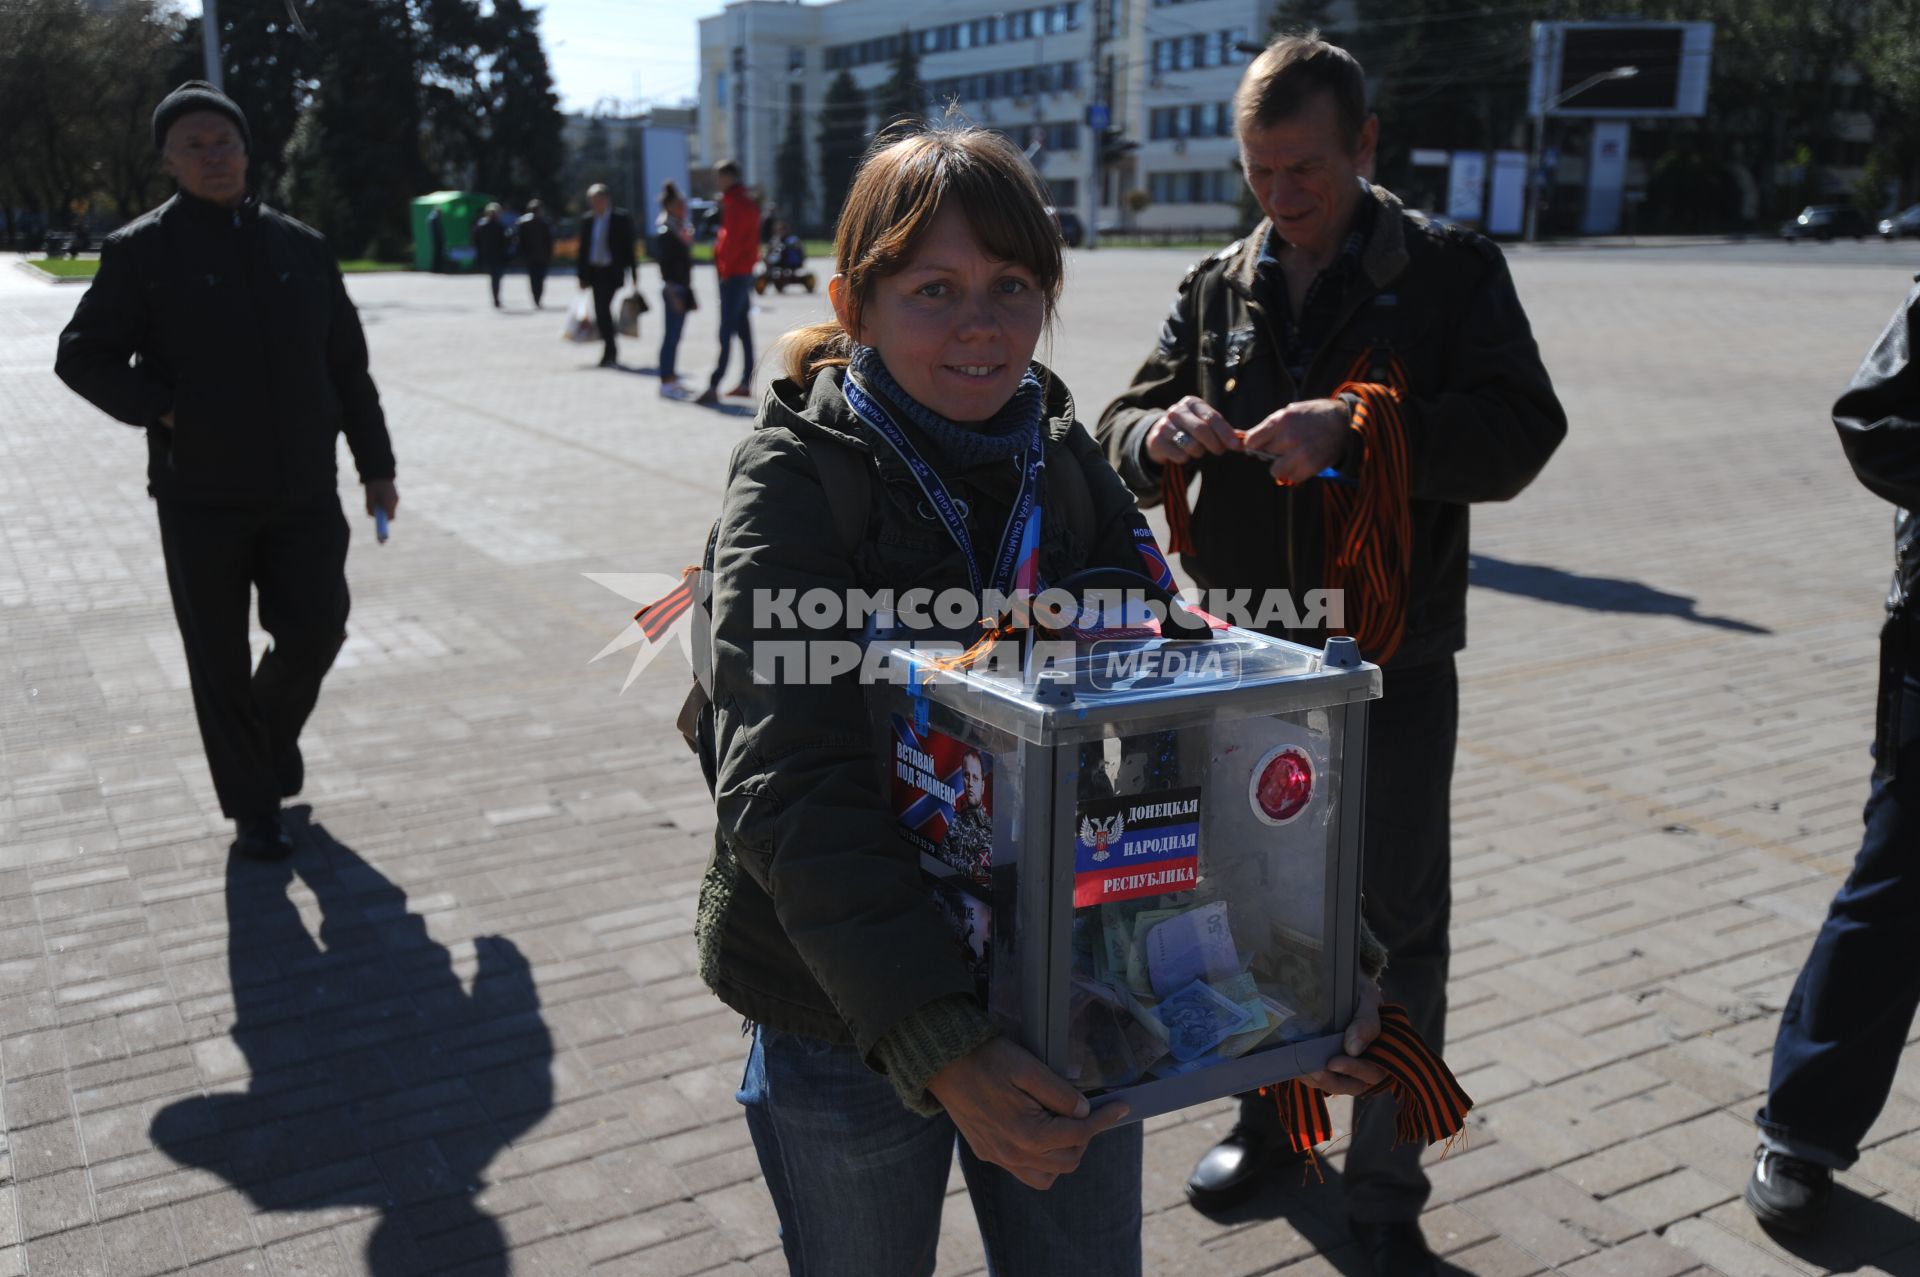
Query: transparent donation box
x=1149 y=853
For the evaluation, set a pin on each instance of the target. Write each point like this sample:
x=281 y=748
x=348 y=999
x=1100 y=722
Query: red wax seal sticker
x=1282 y=785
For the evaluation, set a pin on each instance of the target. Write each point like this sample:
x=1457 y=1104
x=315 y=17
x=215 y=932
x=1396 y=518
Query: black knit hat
x=197 y=95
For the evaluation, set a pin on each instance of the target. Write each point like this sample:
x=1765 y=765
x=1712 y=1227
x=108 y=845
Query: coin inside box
x=1149 y=852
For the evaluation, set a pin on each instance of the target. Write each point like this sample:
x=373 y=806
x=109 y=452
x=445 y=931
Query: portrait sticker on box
x=1144 y=845
x=942 y=798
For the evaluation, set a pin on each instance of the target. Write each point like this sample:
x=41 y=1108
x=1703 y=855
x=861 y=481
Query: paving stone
x=1633 y=890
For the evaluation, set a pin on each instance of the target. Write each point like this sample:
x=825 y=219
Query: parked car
x=704 y=217
x=1072 y=231
x=1825 y=222
x=1901 y=224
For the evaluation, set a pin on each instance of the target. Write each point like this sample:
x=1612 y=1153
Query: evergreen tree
x=265 y=60
x=901 y=99
x=843 y=140
x=522 y=154
x=791 y=169
x=354 y=162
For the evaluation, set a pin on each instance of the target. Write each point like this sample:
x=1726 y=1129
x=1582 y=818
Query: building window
x=1065 y=191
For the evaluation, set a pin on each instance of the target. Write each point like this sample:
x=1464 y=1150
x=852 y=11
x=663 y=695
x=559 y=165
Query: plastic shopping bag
x=580 y=323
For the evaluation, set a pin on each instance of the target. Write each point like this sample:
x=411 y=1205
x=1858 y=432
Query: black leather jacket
x=1879 y=423
x=1482 y=417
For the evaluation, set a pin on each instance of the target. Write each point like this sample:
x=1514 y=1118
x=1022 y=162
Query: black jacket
x=1482 y=417
x=619 y=244
x=490 y=242
x=239 y=324
x=1879 y=423
x=533 y=240
x=674 y=257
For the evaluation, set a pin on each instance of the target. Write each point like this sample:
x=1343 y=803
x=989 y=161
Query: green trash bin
x=458 y=210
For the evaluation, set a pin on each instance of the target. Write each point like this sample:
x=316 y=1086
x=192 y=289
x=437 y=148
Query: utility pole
x=1099 y=111
x=210 y=42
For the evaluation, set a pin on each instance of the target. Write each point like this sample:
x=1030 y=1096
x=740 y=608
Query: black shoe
x=262 y=838
x=609 y=361
x=1788 y=1193
x=290 y=770
x=1230 y=1171
x=1395 y=1249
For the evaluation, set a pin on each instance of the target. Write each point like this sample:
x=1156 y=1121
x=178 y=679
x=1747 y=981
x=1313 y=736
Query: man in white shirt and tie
x=605 y=256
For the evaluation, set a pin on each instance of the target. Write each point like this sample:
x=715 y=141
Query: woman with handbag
x=671 y=247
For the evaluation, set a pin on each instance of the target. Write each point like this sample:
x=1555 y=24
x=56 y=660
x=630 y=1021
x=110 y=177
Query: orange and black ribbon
x=657 y=617
x=1368 y=526
x=1433 y=1107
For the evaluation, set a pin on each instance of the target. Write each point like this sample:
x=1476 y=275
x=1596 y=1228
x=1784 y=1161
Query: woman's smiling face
x=956 y=327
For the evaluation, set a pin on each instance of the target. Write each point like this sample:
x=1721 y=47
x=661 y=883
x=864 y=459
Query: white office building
x=1169 y=67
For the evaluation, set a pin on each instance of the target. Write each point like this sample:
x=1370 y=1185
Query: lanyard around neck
x=1016 y=541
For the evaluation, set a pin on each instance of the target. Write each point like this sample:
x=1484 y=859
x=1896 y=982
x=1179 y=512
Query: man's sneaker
x=741 y=391
x=673 y=390
x=262 y=838
x=1788 y=1193
x=709 y=398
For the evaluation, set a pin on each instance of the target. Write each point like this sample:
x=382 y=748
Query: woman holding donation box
x=818 y=920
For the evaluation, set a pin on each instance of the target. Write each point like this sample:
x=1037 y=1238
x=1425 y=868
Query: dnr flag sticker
x=1143 y=845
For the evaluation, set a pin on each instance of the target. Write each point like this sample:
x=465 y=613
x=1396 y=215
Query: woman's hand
x=1347 y=1074
x=1016 y=1113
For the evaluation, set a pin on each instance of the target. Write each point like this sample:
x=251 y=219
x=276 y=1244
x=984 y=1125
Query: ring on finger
x=1181 y=438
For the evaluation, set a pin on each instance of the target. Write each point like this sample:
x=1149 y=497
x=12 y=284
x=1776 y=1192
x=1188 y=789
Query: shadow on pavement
x=374 y=1078
x=1595 y=593
x=1315 y=1210
x=1860 y=1234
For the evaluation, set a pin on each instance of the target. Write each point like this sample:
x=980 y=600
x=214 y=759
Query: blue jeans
x=672 y=322
x=858 y=1181
x=736 y=301
x=1847 y=1019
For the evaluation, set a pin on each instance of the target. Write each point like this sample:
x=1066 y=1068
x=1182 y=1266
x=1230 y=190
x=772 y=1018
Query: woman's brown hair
x=902 y=184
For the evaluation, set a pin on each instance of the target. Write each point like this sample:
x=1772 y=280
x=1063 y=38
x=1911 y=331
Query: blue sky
x=618 y=48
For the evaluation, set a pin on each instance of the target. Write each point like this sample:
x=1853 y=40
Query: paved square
x=467 y=1021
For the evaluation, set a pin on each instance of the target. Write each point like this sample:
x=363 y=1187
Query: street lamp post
x=1538 y=122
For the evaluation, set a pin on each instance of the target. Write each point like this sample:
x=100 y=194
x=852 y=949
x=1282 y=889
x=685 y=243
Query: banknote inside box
x=1155 y=887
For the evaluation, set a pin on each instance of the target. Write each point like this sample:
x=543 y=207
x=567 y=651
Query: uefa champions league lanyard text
x=1014 y=547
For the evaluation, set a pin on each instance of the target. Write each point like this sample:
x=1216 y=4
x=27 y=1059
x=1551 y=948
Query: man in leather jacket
x=1847 y=1019
x=1349 y=335
x=222 y=328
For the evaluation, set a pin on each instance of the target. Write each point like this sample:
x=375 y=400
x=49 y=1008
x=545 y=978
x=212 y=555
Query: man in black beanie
x=222 y=329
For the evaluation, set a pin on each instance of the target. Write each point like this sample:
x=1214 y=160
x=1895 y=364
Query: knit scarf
x=1000 y=437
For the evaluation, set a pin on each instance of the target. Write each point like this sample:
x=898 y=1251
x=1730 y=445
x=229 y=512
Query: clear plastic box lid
x=1056 y=693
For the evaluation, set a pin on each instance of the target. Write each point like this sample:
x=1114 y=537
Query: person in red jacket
x=735 y=251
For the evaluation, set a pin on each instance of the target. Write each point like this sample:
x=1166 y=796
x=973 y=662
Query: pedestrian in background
x=735 y=251
x=604 y=258
x=673 y=250
x=1847 y=1019
x=533 y=238
x=1349 y=338
x=241 y=418
x=490 y=247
